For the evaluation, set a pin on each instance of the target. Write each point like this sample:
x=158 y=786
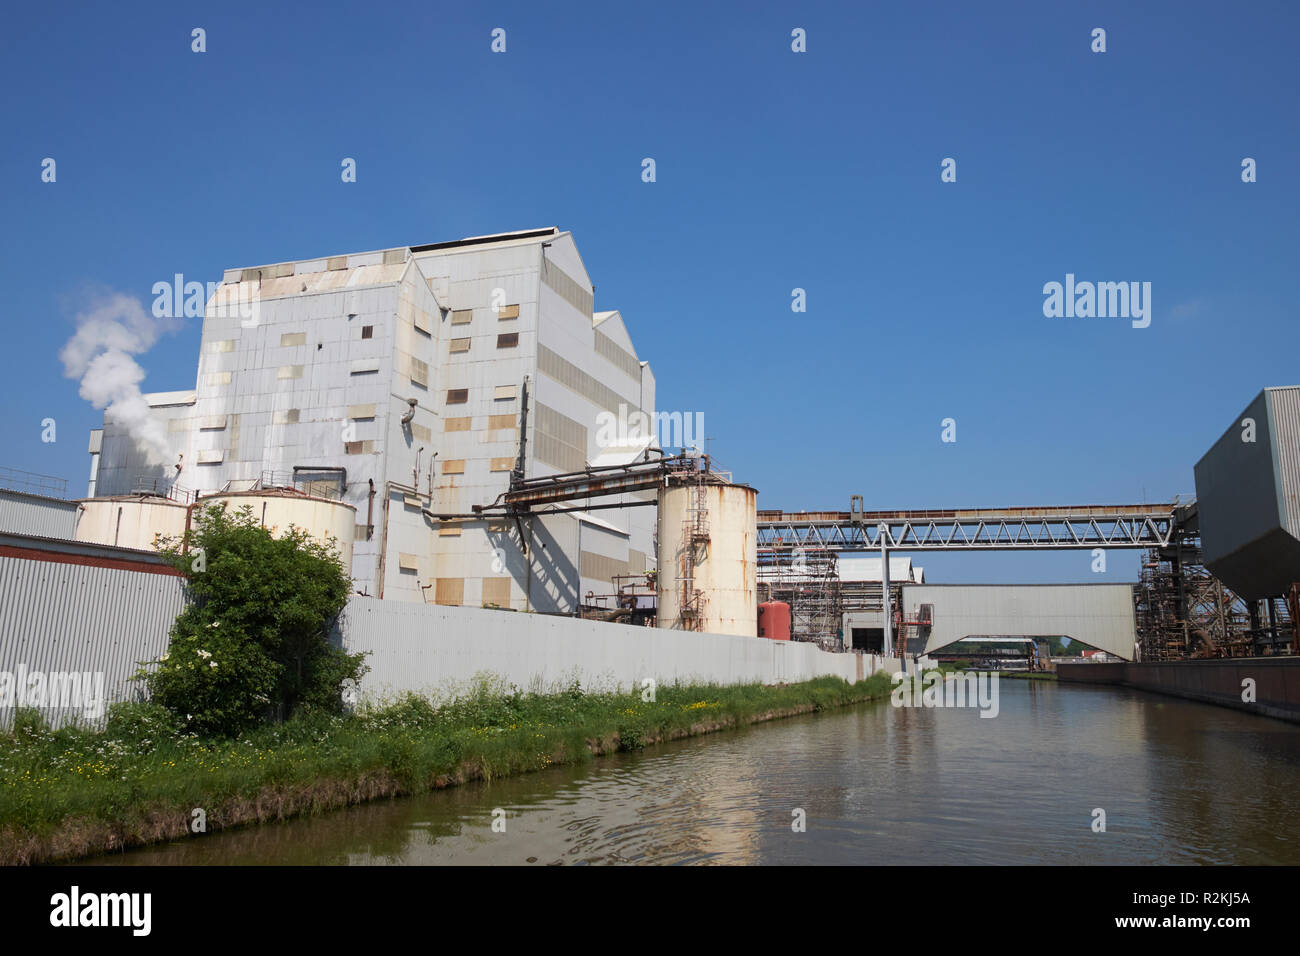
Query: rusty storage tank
x=774 y=620
x=130 y=521
x=708 y=558
x=278 y=508
x=1248 y=497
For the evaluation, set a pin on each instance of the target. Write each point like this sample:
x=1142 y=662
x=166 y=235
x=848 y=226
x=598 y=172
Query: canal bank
x=1180 y=782
x=1259 y=685
x=71 y=793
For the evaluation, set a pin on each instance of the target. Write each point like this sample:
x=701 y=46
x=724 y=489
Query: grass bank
x=73 y=793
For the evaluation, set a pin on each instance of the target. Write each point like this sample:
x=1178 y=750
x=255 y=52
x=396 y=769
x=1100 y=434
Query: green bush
x=138 y=721
x=254 y=643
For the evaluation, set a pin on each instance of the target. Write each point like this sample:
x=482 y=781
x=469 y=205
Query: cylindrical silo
x=277 y=509
x=708 y=558
x=130 y=521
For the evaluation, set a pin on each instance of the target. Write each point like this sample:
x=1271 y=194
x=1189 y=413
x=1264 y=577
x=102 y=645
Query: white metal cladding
x=45 y=517
x=568 y=288
x=1099 y=615
x=1284 y=426
x=75 y=618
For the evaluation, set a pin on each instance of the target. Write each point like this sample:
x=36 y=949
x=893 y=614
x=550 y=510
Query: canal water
x=1180 y=782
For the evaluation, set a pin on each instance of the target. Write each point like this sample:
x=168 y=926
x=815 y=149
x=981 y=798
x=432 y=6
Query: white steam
x=115 y=327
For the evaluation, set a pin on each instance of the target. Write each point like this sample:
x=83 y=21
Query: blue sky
x=775 y=170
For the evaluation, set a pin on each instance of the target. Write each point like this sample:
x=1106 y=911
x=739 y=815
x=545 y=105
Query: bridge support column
x=885 y=598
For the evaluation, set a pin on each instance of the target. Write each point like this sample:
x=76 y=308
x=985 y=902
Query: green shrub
x=254 y=643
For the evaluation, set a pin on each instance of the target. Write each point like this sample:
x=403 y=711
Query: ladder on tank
x=695 y=537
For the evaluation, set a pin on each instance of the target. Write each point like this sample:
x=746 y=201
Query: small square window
x=507 y=340
x=457 y=396
x=367 y=331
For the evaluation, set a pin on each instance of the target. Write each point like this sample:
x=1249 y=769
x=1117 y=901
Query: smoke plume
x=114 y=328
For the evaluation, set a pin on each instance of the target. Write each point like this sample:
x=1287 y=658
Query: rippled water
x=1180 y=782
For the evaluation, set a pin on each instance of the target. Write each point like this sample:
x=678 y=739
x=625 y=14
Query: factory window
x=420 y=432
x=408 y=562
x=449 y=591
x=367 y=331
x=508 y=312
x=293 y=338
x=361 y=411
x=419 y=372
x=462 y=317
x=225 y=345
x=496 y=591
x=507 y=340
x=289 y=371
x=457 y=396
x=505 y=393
x=449 y=529
x=288 y=416
x=454 y=466
x=221 y=378
x=459 y=345
x=457 y=424
x=502 y=464
x=358 y=447
x=500 y=421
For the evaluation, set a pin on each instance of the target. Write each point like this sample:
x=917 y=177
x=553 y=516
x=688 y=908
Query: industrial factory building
x=382 y=398
x=442 y=412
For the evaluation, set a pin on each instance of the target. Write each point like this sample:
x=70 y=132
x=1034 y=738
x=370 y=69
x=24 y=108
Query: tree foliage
x=253 y=644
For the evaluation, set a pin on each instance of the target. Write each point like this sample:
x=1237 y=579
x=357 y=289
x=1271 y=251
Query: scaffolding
x=1183 y=612
x=808 y=580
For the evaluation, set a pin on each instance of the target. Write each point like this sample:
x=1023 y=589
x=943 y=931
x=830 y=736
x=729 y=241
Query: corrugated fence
x=66 y=618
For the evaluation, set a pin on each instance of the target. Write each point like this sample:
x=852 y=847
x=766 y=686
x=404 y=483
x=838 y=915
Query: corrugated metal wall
x=1284 y=421
x=75 y=618
x=22 y=513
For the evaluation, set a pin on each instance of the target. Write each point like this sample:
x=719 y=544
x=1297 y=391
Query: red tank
x=774 y=620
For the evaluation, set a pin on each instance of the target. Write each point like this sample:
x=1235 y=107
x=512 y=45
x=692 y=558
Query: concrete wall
x=427 y=648
x=1276 y=681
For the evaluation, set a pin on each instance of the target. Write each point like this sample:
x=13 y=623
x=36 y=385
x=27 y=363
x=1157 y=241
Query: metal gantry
x=977 y=529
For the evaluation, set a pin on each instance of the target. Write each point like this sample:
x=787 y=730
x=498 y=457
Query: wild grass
x=74 y=792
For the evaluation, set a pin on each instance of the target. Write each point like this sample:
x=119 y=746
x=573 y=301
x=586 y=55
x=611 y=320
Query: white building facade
x=396 y=380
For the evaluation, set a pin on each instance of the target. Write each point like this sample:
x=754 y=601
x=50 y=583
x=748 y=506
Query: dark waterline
x=1180 y=782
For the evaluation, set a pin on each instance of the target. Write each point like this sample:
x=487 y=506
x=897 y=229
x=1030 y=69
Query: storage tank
x=1248 y=497
x=708 y=558
x=277 y=508
x=774 y=620
x=130 y=521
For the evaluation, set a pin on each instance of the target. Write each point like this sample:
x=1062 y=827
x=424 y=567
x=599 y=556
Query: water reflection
x=1180 y=783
